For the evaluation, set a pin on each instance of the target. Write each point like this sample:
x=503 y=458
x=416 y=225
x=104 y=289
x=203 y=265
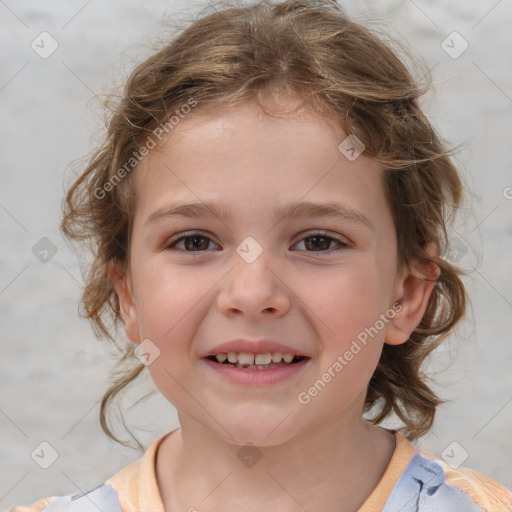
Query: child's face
x=311 y=294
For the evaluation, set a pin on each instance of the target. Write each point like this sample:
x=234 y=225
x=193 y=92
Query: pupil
x=316 y=245
x=191 y=242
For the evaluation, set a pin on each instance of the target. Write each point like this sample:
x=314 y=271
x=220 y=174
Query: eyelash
x=173 y=242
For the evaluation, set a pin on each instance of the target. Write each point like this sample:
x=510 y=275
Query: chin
x=249 y=431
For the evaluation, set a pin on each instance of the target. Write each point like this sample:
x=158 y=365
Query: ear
x=122 y=282
x=414 y=286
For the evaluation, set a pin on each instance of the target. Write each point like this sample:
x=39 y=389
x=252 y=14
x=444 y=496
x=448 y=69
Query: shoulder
x=124 y=491
x=489 y=495
x=430 y=484
x=36 y=507
x=103 y=497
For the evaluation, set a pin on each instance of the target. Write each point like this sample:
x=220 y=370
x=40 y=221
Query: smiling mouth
x=249 y=361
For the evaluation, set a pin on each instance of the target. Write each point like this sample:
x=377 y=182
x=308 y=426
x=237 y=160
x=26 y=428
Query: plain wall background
x=53 y=370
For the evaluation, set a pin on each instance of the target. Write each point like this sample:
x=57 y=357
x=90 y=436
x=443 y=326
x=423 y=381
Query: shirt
x=414 y=481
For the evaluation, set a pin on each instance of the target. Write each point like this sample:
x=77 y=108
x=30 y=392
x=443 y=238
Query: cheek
x=169 y=310
x=348 y=299
x=351 y=345
x=167 y=297
x=351 y=304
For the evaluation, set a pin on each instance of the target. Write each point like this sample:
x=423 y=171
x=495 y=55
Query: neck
x=333 y=466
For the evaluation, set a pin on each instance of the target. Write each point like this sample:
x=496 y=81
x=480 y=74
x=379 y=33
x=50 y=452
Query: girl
x=269 y=218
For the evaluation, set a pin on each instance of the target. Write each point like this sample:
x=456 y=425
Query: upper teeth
x=247 y=358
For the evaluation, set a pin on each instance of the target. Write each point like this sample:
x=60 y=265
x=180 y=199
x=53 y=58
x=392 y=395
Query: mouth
x=256 y=363
x=249 y=361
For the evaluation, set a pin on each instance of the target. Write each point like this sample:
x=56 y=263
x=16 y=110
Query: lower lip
x=257 y=377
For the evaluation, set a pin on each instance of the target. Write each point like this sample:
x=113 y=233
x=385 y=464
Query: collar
x=137 y=486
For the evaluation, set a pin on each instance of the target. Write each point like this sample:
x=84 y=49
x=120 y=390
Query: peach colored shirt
x=414 y=481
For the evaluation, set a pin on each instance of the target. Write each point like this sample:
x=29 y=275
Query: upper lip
x=252 y=347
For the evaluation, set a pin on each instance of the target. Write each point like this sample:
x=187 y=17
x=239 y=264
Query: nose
x=254 y=290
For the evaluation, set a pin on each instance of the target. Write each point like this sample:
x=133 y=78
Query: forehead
x=247 y=158
x=249 y=129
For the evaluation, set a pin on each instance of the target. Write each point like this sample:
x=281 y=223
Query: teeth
x=276 y=357
x=288 y=358
x=262 y=358
x=257 y=366
x=221 y=357
x=245 y=358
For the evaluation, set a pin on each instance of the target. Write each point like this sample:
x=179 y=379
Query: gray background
x=53 y=370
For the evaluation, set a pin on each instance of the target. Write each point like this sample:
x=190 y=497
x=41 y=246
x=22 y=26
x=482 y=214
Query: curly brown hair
x=310 y=50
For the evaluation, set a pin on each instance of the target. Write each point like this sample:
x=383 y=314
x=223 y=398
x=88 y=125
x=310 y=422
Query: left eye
x=319 y=242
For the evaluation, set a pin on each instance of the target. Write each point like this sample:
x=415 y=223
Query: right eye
x=193 y=242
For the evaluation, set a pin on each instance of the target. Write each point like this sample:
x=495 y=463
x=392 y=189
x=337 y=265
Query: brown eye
x=195 y=242
x=320 y=242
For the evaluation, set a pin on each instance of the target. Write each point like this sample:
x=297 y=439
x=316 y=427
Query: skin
x=321 y=456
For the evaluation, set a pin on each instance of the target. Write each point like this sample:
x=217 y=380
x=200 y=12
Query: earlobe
x=122 y=283
x=413 y=294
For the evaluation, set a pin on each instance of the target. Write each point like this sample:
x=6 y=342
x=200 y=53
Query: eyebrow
x=297 y=209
